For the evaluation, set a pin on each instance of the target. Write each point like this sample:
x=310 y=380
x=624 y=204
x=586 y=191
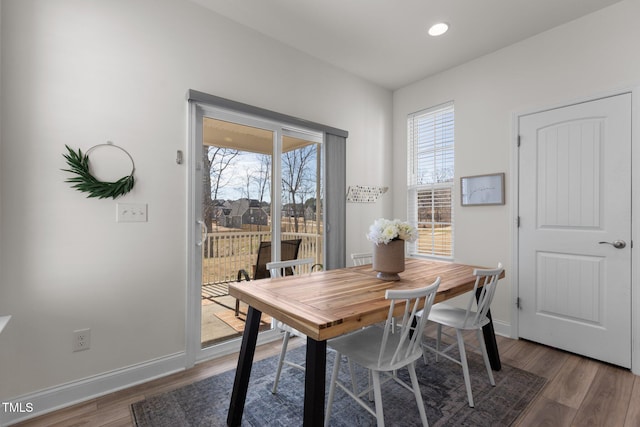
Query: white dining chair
x=380 y=351
x=361 y=258
x=279 y=269
x=465 y=320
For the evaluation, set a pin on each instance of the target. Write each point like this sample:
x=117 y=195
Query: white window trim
x=413 y=187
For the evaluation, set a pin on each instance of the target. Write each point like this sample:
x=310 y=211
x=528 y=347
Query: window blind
x=430 y=180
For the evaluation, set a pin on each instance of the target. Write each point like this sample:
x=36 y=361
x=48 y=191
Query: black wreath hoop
x=87 y=183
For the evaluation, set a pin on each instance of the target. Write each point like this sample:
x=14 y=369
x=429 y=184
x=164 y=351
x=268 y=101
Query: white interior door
x=574 y=283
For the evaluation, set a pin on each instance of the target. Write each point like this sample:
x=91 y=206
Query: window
x=430 y=180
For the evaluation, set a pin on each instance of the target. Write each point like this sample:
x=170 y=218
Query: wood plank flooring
x=579 y=391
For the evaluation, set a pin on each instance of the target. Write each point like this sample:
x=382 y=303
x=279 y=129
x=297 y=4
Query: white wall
x=80 y=73
x=586 y=58
x=83 y=72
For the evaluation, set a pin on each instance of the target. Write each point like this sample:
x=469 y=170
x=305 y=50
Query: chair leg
x=237 y=307
x=423 y=344
x=370 y=375
x=485 y=356
x=418 y=395
x=465 y=366
x=354 y=384
x=438 y=340
x=283 y=351
x=332 y=388
x=377 y=392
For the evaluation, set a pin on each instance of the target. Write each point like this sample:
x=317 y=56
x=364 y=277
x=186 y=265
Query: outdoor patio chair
x=288 y=251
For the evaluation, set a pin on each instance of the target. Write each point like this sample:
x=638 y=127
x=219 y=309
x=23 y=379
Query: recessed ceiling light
x=438 y=29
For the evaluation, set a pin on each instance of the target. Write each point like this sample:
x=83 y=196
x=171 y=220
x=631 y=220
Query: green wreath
x=87 y=183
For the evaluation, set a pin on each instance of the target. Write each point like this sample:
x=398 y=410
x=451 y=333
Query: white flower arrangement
x=386 y=230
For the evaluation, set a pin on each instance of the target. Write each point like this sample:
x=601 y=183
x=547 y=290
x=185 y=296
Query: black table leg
x=245 y=360
x=491 y=344
x=314 y=383
x=490 y=341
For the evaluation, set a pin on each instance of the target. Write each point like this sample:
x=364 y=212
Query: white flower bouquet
x=386 y=230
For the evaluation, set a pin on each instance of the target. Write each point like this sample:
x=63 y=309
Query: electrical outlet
x=81 y=339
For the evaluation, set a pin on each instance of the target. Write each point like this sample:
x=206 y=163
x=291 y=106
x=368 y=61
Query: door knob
x=204 y=231
x=618 y=244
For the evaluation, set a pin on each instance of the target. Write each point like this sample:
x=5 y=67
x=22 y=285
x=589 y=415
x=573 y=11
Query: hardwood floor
x=579 y=391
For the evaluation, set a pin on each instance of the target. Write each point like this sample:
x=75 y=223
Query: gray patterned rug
x=205 y=403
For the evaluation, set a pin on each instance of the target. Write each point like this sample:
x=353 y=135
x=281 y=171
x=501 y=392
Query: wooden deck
x=214 y=290
x=219 y=321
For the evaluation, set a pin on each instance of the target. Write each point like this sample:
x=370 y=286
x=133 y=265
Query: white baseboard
x=502 y=328
x=52 y=399
x=55 y=398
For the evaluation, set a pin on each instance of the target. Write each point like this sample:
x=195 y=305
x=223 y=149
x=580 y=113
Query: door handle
x=618 y=244
x=203 y=230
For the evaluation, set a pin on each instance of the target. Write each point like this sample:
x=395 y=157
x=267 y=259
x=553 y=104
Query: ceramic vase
x=388 y=259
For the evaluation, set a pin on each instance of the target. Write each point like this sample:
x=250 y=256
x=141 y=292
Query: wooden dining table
x=327 y=304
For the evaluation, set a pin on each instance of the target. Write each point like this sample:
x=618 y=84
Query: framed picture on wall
x=482 y=190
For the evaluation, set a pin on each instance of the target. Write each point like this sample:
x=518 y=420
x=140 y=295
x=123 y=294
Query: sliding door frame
x=333 y=152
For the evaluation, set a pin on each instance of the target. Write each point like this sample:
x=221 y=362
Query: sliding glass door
x=255 y=182
x=301 y=184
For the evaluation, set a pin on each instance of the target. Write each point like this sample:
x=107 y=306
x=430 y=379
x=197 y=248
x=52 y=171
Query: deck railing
x=223 y=254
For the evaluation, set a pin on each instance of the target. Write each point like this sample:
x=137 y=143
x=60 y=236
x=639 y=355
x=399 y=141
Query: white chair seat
x=453 y=317
x=363 y=347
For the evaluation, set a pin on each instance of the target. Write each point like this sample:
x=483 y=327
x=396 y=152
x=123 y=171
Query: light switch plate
x=131 y=212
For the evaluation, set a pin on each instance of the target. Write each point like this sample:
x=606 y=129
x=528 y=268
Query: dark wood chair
x=288 y=251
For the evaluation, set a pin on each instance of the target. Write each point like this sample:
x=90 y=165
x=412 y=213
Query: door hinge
x=518 y=221
x=518 y=303
x=518 y=142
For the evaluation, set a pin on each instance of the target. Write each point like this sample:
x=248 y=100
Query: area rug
x=205 y=403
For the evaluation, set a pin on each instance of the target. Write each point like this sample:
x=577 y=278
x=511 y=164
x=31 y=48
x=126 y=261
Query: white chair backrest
x=488 y=279
x=361 y=258
x=408 y=345
x=277 y=268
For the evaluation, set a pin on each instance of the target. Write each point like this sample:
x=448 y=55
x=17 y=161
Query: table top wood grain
x=326 y=304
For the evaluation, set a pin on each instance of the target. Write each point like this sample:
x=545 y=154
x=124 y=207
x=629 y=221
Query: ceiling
x=386 y=41
x=235 y=136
